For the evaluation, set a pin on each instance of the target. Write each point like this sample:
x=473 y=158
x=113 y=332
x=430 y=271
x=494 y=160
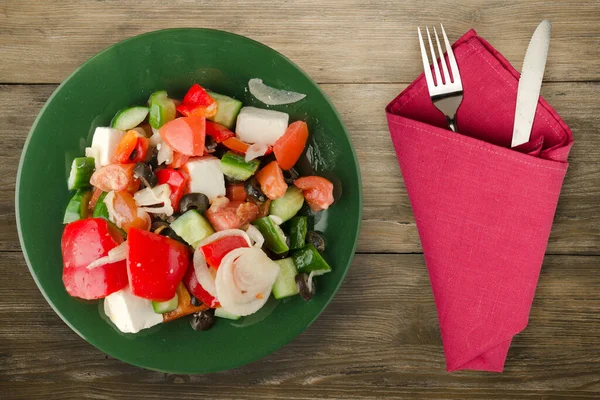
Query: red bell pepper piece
x=84 y=242
x=197 y=102
x=215 y=251
x=191 y=283
x=132 y=148
x=155 y=264
x=177 y=182
x=218 y=132
x=235 y=144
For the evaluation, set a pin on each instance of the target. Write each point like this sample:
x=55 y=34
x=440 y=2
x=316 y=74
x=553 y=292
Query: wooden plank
x=350 y=41
x=378 y=338
x=388 y=224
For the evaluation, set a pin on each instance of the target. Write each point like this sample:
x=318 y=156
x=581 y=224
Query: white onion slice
x=113 y=216
x=227 y=232
x=271 y=96
x=256 y=150
x=165 y=153
x=117 y=254
x=152 y=196
x=255 y=235
x=203 y=274
x=155 y=139
x=276 y=219
x=244 y=280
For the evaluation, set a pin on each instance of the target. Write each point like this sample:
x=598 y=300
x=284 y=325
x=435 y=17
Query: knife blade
x=530 y=82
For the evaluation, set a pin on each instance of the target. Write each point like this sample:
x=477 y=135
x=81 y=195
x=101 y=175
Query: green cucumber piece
x=287 y=206
x=275 y=239
x=162 y=109
x=221 y=313
x=100 y=209
x=129 y=118
x=235 y=167
x=228 y=109
x=78 y=206
x=82 y=169
x=162 y=307
x=192 y=227
x=297 y=228
x=308 y=259
x=285 y=284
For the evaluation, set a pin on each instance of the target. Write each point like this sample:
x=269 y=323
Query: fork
x=446 y=90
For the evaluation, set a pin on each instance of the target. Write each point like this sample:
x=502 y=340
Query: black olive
x=274 y=256
x=196 y=302
x=144 y=172
x=158 y=226
x=194 y=201
x=290 y=175
x=269 y=158
x=253 y=190
x=317 y=240
x=306 y=286
x=229 y=179
x=203 y=320
x=154 y=158
x=210 y=144
x=170 y=233
x=220 y=151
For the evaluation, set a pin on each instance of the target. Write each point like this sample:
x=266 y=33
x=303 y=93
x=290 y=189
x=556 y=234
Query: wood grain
x=334 y=41
x=388 y=224
x=378 y=338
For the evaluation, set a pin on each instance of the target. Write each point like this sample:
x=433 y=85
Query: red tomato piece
x=215 y=251
x=290 y=146
x=317 y=191
x=236 y=192
x=218 y=132
x=155 y=264
x=227 y=214
x=127 y=213
x=178 y=160
x=185 y=135
x=271 y=181
x=235 y=144
x=114 y=177
x=177 y=182
x=84 y=242
x=191 y=283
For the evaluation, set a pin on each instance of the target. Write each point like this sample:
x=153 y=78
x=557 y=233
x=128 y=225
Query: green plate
x=126 y=74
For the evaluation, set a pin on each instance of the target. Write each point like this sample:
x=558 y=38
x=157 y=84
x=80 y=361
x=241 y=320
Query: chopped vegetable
x=162 y=307
x=132 y=148
x=228 y=109
x=285 y=284
x=308 y=259
x=317 y=191
x=197 y=102
x=224 y=214
x=82 y=169
x=83 y=242
x=236 y=192
x=275 y=239
x=155 y=200
x=235 y=144
x=115 y=177
x=218 y=132
x=100 y=210
x=215 y=251
x=129 y=118
x=298 y=227
x=78 y=206
x=155 y=264
x=184 y=304
x=162 y=109
x=176 y=181
x=221 y=313
x=257 y=125
x=235 y=167
x=144 y=173
x=287 y=206
x=185 y=135
x=124 y=212
x=192 y=227
x=271 y=96
x=178 y=160
x=290 y=146
x=271 y=181
x=194 y=201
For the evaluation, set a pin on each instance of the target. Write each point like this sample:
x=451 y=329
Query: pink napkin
x=483 y=211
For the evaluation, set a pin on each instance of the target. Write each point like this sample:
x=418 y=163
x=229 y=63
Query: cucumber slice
x=287 y=206
x=81 y=172
x=235 y=167
x=192 y=227
x=285 y=284
x=78 y=206
x=129 y=118
x=100 y=209
x=162 y=307
x=228 y=109
x=275 y=239
x=162 y=109
x=221 y=313
x=297 y=228
x=308 y=260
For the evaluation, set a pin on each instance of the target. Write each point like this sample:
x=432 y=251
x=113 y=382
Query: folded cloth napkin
x=483 y=210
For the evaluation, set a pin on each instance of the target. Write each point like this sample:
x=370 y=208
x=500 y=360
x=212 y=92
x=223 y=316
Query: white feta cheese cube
x=104 y=145
x=206 y=176
x=130 y=313
x=257 y=125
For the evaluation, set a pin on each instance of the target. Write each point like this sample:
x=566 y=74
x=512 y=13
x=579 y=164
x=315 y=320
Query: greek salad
x=192 y=208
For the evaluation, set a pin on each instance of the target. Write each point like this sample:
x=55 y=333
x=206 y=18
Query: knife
x=530 y=83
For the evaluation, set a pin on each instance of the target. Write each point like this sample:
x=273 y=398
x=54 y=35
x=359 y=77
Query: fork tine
x=436 y=70
x=446 y=76
x=453 y=65
x=427 y=70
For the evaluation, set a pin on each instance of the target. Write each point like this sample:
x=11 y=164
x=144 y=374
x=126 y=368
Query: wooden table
x=380 y=336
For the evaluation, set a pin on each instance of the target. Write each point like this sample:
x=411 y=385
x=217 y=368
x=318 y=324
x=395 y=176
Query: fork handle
x=451 y=123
